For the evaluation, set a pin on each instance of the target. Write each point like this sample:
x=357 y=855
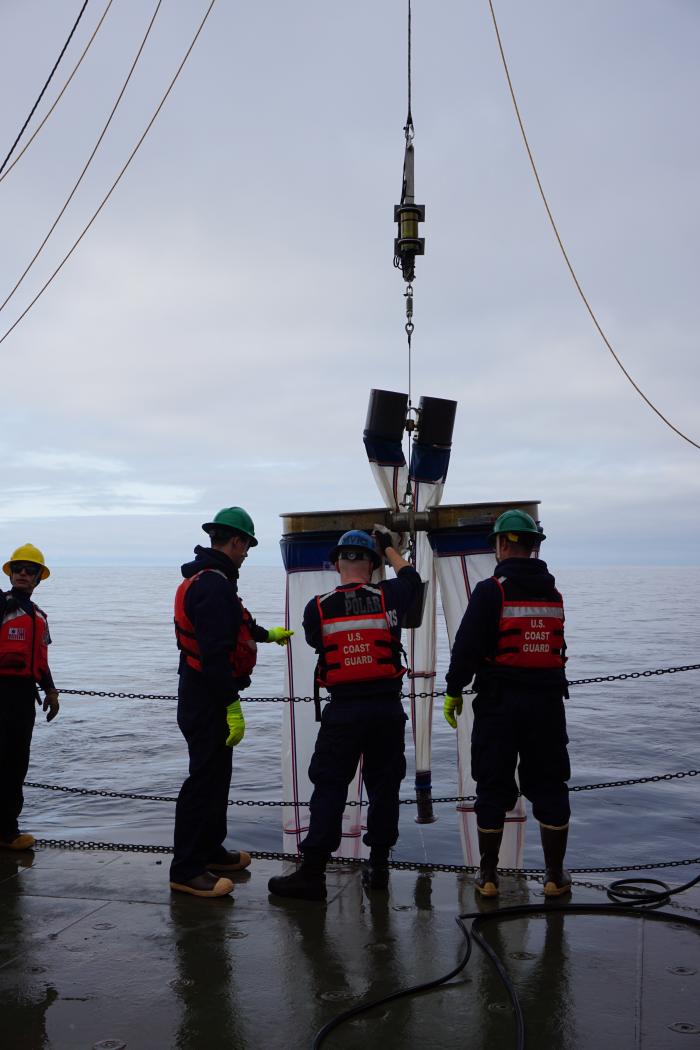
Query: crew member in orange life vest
x=512 y=640
x=217 y=638
x=24 y=665
x=356 y=631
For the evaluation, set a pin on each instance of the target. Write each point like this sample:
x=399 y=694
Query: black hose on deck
x=626 y=897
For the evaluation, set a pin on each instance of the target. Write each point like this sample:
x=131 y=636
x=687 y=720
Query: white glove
x=384 y=538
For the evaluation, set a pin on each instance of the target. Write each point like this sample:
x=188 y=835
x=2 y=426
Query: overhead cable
x=409 y=118
x=102 y=134
x=41 y=93
x=60 y=95
x=114 y=185
x=407 y=245
x=586 y=303
x=408 y=294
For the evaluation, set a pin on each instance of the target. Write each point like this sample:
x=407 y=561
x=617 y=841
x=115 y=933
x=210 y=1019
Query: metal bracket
x=409 y=520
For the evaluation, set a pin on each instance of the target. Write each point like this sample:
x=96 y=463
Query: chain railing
x=623 y=677
x=635 y=674
x=103 y=793
x=526 y=873
x=397 y=865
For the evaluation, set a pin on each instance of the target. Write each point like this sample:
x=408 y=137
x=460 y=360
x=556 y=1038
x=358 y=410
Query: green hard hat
x=234 y=518
x=518 y=523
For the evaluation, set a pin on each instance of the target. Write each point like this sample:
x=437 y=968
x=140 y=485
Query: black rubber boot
x=556 y=878
x=375 y=871
x=307 y=883
x=486 y=879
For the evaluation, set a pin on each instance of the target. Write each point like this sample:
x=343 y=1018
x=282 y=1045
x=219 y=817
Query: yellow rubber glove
x=451 y=708
x=236 y=724
x=51 y=704
x=279 y=634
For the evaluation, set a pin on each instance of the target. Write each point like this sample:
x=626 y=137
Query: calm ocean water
x=112 y=630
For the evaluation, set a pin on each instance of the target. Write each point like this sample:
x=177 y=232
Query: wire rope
x=89 y=161
x=570 y=267
x=409 y=118
x=408 y=294
x=114 y=185
x=60 y=95
x=41 y=93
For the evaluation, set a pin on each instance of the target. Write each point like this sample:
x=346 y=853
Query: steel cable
x=114 y=185
x=89 y=161
x=60 y=95
x=41 y=93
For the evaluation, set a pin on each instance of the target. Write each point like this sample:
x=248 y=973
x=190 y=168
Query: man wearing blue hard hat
x=511 y=641
x=217 y=638
x=356 y=631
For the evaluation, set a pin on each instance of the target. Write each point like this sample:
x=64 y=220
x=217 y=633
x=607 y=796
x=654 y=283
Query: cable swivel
x=408 y=296
x=409 y=326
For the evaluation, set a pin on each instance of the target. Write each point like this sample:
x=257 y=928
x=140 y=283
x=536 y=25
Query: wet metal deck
x=94 y=947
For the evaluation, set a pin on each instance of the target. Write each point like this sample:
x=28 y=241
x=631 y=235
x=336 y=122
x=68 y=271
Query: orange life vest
x=242 y=656
x=530 y=633
x=24 y=642
x=358 y=646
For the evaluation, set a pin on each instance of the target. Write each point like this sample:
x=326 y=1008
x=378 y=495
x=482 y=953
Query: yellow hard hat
x=27 y=552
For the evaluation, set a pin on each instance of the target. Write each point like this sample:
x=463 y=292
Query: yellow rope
x=603 y=336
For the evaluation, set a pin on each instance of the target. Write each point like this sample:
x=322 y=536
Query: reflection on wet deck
x=94 y=948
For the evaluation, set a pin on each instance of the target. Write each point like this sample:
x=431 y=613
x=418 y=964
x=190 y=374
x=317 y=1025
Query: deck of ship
x=96 y=952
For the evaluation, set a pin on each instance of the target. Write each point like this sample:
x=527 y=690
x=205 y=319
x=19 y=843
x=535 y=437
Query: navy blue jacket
x=212 y=607
x=398 y=595
x=477 y=637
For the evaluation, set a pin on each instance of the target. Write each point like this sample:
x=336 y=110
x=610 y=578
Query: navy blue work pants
x=524 y=729
x=202 y=805
x=17 y=715
x=372 y=728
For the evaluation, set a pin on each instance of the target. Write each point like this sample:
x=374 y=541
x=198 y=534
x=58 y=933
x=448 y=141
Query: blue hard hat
x=356 y=540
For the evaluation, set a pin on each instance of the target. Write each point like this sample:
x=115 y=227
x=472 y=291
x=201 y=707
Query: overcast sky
x=214 y=338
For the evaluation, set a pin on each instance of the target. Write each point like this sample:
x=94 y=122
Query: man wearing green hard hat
x=217 y=638
x=511 y=641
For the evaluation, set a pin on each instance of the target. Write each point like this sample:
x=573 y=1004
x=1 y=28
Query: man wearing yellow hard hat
x=24 y=665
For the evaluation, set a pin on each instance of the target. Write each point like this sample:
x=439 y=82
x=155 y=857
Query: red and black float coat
x=512 y=632
x=24 y=641
x=356 y=641
x=530 y=632
x=242 y=656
